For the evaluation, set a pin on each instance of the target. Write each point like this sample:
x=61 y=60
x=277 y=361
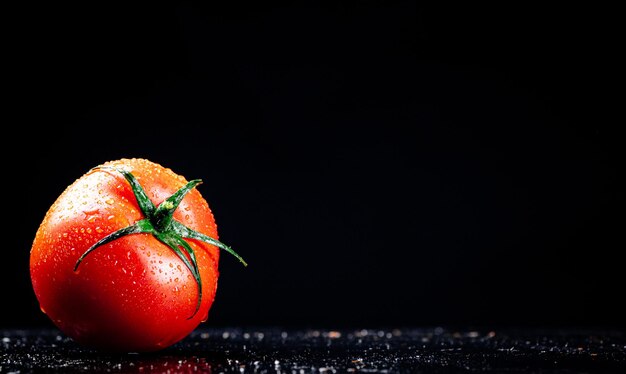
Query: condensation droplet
x=91 y=219
x=109 y=201
x=176 y=280
x=186 y=216
x=110 y=217
x=171 y=265
x=88 y=230
x=99 y=230
x=128 y=255
x=65 y=235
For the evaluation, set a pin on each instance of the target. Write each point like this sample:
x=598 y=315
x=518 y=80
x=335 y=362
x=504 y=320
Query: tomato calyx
x=160 y=223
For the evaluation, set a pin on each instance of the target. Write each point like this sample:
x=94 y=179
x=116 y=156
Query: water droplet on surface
x=109 y=201
x=110 y=217
x=186 y=216
x=124 y=270
x=92 y=218
x=65 y=235
x=171 y=265
x=99 y=230
x=128 y=255
x=88 y=230
x=175 y=279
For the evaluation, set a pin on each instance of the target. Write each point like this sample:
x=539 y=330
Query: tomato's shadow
x=179 y=360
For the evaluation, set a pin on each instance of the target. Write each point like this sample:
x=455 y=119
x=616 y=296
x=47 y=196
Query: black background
x=377 y=163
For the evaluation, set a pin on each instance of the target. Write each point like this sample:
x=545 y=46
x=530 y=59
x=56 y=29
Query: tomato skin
x=133 y=294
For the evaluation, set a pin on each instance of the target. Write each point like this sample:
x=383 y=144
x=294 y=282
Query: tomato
x=126 y=259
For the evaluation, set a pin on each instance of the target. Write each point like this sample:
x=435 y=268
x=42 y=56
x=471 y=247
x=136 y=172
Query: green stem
x=160 y=223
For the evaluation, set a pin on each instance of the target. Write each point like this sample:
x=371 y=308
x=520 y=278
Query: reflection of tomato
x=137 y=289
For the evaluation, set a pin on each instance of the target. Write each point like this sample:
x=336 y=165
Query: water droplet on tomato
x=124 y=270
x=148 y=253
x=42 y=310
x=91 y=218
x=128 y=255
x=109 y=201
x=65 y=235
x=99 y=230
x=88 y=230
x=187 y=216
x=171 y=265
x=176 y=280
x=110 y=217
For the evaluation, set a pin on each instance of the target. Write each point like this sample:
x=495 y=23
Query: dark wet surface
x=324 y=351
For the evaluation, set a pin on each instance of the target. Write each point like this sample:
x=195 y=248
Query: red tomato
x=134 y=289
